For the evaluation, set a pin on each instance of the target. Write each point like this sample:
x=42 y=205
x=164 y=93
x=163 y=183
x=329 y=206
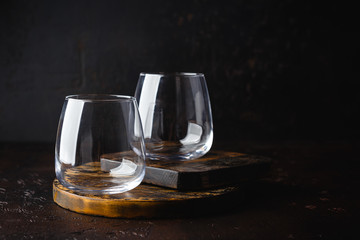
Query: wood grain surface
x=145 y=201
x=215 y=169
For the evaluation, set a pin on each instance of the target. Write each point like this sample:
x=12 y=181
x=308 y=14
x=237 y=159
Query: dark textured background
x=275 y=69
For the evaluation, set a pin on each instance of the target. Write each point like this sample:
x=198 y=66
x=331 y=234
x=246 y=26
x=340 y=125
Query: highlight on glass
x=176 y=115
x=100 y=146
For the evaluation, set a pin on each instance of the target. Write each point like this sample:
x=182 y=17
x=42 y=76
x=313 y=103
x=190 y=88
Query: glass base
x=90 y=179
x=175 y=151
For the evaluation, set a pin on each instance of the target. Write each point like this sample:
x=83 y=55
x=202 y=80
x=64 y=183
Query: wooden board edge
x=137 y=209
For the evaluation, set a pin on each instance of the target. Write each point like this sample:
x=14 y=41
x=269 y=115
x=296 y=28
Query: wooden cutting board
x=204 y=185
x=215 y=169
x=145 y=201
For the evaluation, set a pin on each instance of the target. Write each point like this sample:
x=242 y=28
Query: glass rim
x=163 y=74
x=100 y=98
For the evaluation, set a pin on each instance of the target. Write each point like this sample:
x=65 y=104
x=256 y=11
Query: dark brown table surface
x=312 y=192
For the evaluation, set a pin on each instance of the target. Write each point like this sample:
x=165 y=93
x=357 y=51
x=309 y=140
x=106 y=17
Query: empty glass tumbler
x=176 y=115
x=100 y=146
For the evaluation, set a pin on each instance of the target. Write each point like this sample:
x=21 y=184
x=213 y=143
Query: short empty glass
x=176 y=115
x=100 y=146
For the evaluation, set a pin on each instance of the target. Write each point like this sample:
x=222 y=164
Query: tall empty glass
x=176 y=115
x=100 y=146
